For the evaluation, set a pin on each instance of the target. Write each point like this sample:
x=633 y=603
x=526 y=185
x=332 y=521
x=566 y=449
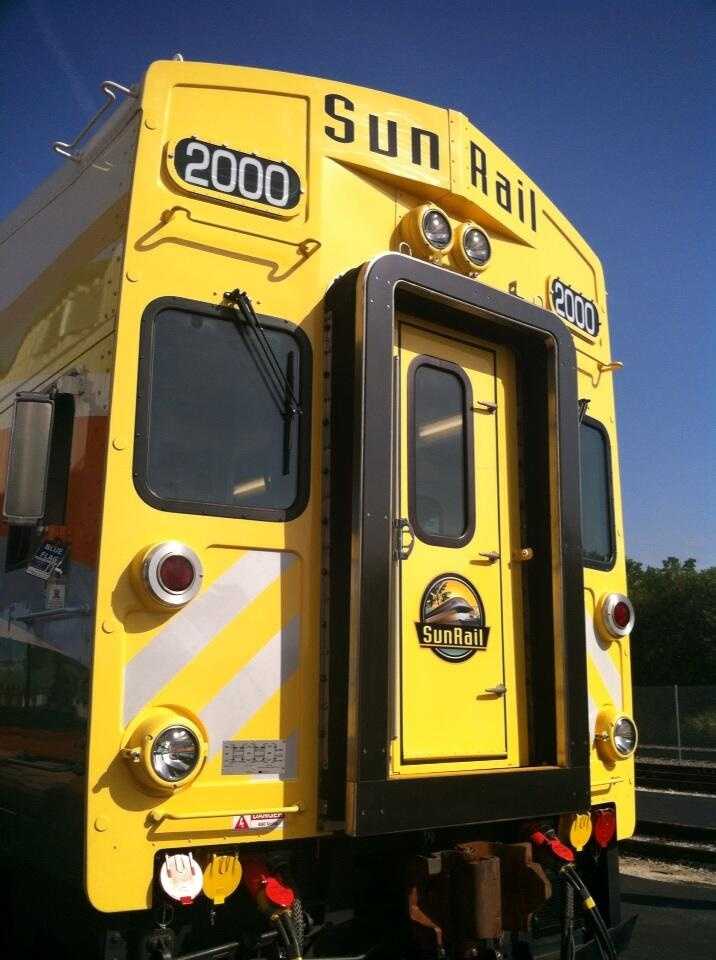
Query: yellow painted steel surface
x=453 y=715
x=364 y=159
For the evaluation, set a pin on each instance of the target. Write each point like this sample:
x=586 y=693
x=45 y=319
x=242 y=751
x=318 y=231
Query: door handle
x=491 y=556
x=401 y=548
x=499 y=691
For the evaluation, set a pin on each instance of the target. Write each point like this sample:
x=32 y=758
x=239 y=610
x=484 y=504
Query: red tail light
x=621 y=614
x=604 y=826
x=617 y=614
x=176 y=573
x=172 y=573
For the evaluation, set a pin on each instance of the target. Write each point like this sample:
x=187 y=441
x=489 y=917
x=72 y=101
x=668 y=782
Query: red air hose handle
x=264 y=885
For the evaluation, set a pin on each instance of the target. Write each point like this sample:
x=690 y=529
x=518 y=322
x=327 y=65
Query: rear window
x=597 y=505
x=215 y=430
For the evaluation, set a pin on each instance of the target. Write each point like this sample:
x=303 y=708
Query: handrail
x=110 y=90
x=157 y=814
x=58 y=613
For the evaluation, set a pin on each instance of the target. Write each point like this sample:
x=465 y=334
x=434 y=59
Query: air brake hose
x=601 y=932
x=568 y=949
x=563 y=856
x=291 y=937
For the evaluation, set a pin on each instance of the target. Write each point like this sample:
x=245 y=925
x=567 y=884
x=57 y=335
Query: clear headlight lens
x=625 y=736
x=175 y=753
x=437 y=229
x=476 y=246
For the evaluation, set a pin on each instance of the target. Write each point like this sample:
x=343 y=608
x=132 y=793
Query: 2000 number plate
x=573 y=307
x=237 y=174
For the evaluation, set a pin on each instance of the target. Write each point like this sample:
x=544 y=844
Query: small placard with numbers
x=254 y=756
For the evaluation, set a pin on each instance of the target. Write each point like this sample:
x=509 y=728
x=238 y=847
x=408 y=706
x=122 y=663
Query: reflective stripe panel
x=252 y=686
x=593 y=711
x=603 y=663
x=191 y=629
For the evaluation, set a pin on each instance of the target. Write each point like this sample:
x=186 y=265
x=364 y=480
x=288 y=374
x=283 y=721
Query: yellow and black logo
x=452 y=619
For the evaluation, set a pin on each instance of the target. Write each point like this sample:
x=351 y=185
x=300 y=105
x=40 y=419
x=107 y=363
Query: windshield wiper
x=240 y=302
x=282 y=383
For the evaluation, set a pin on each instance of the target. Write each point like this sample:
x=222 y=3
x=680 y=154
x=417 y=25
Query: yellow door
x=458 y=624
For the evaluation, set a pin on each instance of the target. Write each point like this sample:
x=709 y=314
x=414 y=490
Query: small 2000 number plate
x=237 y=174
x=573 y=307
x=254 y=756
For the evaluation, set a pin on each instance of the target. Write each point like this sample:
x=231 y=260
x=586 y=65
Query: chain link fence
x=676 y=722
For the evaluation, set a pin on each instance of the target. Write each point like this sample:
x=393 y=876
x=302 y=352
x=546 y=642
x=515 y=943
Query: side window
x=598 y=543
x=215 y=432
x=441 y=497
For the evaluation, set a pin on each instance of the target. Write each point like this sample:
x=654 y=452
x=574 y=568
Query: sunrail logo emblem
x=452 y=619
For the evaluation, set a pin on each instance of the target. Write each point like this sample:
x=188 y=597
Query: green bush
x=674 y=640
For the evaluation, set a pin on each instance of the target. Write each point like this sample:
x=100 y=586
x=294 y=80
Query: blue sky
x=609 y=107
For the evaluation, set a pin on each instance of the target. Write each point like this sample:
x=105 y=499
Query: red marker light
x=617 y=614
x=604 y=823
x=176 y=573
x=621 y=614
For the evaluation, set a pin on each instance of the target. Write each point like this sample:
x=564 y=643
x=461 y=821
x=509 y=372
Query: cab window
x=597 y=505
x=216 y=434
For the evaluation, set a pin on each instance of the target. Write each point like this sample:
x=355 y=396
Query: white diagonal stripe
x=192 y=628
x=604 y=664
x=249 y=690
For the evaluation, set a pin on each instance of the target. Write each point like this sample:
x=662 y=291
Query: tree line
x=674 y=638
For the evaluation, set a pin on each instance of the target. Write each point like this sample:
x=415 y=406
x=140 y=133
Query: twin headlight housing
x=167 y=746
x=429 y=233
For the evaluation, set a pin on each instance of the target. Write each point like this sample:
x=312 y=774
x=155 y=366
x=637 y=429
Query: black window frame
x=438 y=540
x=590 y=563
x=143 y=423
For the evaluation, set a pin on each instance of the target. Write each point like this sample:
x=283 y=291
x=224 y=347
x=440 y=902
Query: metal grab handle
x=59 y=613
x=110 y=89
x=157 y=814
x=401 y=549
x=499 y=691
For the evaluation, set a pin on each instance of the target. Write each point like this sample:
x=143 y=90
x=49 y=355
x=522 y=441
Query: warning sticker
x=247 y=822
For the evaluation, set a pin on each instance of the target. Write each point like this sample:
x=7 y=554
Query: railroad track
x=691 y=777
x=659 y=841
x=676 y=812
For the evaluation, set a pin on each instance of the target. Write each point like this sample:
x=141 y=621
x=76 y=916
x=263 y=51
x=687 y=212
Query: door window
x=441 y=475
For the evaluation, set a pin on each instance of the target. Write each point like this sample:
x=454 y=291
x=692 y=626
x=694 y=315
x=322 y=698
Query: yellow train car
x=315 y=639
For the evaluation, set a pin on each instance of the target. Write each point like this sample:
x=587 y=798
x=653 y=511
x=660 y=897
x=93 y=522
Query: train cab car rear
x=316 y=641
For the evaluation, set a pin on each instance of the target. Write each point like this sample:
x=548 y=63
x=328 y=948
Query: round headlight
x=616 y=734
x=175 y=753
x=476 y=246
x=436 y=228
x=624 y=736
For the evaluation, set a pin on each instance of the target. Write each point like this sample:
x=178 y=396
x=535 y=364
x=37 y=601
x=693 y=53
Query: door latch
x=403 y=539
x=499 y=691
x=484 y=406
